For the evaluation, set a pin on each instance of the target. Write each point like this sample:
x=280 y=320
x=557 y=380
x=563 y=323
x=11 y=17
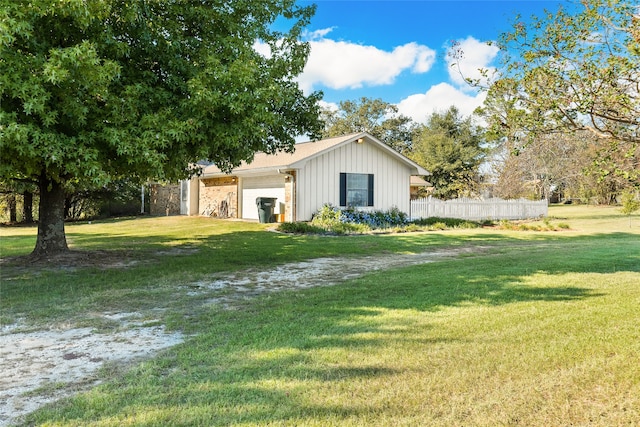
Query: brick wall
x=165 y=199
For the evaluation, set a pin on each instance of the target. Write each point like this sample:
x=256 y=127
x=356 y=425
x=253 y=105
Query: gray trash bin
x=266 y=206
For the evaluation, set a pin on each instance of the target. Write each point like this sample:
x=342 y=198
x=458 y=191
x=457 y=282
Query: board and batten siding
x=318 y=182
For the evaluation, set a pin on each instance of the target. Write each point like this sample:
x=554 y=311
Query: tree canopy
x=551 y=166
x=95 y=91
x=574 y=70
x=375 y=116
x=450 y=147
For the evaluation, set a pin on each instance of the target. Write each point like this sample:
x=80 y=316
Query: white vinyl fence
x=477 y=209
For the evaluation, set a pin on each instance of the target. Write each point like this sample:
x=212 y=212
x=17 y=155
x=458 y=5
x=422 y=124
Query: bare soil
x=40 y=367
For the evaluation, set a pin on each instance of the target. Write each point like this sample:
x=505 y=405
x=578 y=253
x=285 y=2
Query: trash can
x=266 y=206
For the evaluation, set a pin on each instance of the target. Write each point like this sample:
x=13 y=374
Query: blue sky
x=396 y=50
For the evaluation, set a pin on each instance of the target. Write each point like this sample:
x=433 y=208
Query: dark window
x=356 y=189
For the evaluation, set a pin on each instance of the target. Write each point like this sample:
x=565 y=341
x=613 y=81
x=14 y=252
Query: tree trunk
x=51 y=236
x=12 y=206
x=27 y=207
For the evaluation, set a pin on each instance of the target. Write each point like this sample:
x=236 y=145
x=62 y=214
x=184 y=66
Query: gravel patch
x=231 y=289
x=43 y=366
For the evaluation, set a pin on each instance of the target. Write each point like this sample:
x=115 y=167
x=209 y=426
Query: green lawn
x=527 y=328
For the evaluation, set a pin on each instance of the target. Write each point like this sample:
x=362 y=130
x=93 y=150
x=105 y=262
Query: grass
x=538 y=328
x=159 y=254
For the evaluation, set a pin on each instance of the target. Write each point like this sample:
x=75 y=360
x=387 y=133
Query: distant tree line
x=19 y=202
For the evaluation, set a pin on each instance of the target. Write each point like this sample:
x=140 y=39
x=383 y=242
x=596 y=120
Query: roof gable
x=306 y=151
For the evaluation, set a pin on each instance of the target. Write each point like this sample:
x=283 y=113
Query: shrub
x=506 y=225
x=331 y=219
x=327 y=217
x=410 y=227
x=300 y=228
x=346 y=221
x=521 y=226
x=350 y=228
x=448 y=222
x=376 y=219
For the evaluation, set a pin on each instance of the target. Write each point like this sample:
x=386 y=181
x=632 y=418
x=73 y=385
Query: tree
x=96 y=91
x=630 y=204
x=574 y=70
x=450 y=147
x=27 y=207
x=375 y=116
x=9 y=190
x=554 y=162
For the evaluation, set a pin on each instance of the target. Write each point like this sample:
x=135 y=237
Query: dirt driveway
x=40 y=367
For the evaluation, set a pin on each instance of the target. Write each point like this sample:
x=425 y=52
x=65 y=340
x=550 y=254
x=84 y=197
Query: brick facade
x=165 y=199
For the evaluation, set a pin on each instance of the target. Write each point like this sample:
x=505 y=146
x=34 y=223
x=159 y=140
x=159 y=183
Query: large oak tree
x=92 y=91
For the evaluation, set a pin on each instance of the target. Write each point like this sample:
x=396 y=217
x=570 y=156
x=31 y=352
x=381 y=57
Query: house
x=355 y=170
x=419 y=187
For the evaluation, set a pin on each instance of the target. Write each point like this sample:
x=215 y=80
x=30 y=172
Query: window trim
x=344 y=189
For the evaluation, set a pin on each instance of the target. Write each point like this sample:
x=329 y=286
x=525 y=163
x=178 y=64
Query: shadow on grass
x=262 y=364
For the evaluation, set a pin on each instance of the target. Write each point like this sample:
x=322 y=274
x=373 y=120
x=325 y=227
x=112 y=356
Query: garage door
x=265 y=186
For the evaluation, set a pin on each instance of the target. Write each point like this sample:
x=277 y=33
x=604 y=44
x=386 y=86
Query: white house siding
x=189 y=196
x=319 y=180
x=263 y=186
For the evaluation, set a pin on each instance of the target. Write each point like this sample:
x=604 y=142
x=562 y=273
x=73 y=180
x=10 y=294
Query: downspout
x=293 y=193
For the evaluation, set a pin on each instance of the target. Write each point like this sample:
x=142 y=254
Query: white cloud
x=262 y=48
x=476 y=55
x=317 y=34
x=438 y=99
x=346 y=65
x=332 y=106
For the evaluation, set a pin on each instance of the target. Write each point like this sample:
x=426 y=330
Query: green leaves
x=148 y=87
x=451 y=149
x=93 y=91
x=574 y=69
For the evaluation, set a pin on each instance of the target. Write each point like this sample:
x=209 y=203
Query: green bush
x=327 y=217
x=300 y=228
x=350 y=228
x=349 y=221
x=522 y=226
x=448 y=222
x=331 y=219
x=409 y=228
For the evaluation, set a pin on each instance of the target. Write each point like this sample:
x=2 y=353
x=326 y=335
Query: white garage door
x=269 y=186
